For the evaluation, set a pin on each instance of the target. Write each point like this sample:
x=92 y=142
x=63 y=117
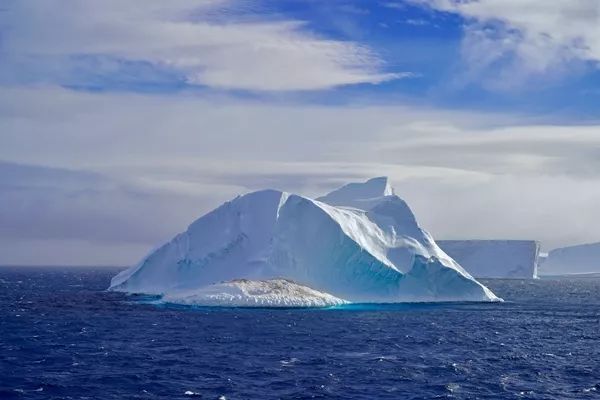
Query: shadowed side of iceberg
x=230 y=242
x=430 y=280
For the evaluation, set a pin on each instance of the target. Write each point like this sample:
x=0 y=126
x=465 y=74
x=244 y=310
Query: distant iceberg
x=580 y=259
x=505 y=259
x=360 y=243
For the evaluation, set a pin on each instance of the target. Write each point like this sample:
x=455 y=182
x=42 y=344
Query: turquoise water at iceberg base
x=62 y=336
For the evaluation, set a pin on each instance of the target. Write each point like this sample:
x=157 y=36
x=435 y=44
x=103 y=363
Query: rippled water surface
x=63 y=336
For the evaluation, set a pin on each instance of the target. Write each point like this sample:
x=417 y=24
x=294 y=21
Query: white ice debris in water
x=247 y=293
x=360 y=243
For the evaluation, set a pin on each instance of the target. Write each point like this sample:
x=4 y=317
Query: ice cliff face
x=507 y=259
x=360 y=243
x=581 y=259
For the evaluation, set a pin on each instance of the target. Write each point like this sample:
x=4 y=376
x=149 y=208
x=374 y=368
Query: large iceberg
x=580 y=259
x=506 y=259
x=360 y=243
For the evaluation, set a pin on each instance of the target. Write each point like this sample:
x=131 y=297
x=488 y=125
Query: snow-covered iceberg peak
x=362 y=244
x=359 y=194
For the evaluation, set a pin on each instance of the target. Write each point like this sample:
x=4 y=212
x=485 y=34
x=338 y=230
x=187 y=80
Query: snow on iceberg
x=247 y=293
x=360 y=195
x=506 y=259
x=360 y=243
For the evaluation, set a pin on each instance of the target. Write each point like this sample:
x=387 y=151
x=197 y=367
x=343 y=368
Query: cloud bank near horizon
x=132 y=170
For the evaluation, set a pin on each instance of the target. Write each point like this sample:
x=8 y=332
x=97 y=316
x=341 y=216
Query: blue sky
x=420 y=42
x=122 y=121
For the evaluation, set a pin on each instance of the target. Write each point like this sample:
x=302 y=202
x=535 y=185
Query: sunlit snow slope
x=360 y=243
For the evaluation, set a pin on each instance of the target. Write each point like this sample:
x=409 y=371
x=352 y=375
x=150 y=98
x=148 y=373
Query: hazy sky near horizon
x=123 y=121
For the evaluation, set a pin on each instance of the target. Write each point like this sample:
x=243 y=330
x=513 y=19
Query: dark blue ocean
x=62 y=336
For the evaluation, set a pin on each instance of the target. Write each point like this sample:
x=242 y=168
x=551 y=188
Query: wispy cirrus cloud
x=215 y=43
x=509 y=43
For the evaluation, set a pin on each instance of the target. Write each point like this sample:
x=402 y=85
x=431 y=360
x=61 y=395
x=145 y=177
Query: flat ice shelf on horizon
x=580 y=259
x=504 y=259
x=360 y=243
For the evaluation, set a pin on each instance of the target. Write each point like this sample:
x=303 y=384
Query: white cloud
x=508 y=42
x=142 y=166
x=417 y=22
x=201 y=39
